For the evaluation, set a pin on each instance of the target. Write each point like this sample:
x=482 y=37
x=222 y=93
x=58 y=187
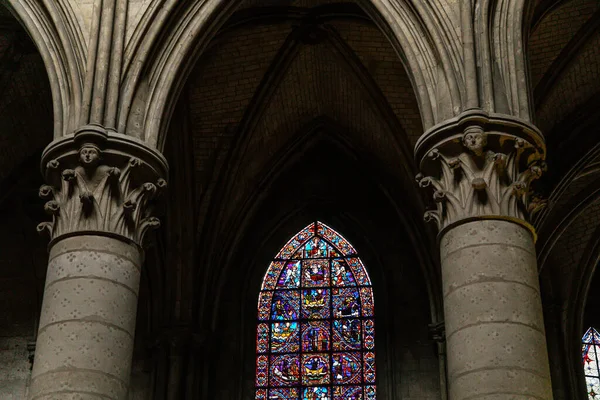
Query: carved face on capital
x=475 y=140
x=89 y=156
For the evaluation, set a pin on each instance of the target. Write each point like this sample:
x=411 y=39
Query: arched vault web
x=315 y=331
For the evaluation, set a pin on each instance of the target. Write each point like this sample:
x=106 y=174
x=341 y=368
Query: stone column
x=100 y=194
x=479 y=169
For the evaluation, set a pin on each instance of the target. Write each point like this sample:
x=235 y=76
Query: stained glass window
x=315 y=333
x=590 y=352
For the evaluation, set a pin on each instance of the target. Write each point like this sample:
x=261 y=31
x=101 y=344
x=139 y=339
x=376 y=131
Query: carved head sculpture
x=89 y=155
x=475 y=139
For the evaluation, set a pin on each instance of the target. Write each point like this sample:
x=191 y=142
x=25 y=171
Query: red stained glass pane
x=262 y=338
x=285 y=370
x=315 y=273
x=262 y=368
x=264 y=304
x=317 y=336
x=369 y=367
x=272 y=275
x=369 y=334
x=366 y=296
x=285 y=305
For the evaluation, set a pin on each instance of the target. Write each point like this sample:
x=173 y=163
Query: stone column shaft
x=87 y=326
x=493 y=313
x=479 y=169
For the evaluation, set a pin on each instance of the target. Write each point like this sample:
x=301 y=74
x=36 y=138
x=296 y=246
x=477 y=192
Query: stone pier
x=479 y=169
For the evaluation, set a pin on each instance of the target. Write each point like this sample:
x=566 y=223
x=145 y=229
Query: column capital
x=480 y=166
x=100 y=182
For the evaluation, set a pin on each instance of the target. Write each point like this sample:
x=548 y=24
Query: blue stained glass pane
x=346 y=303
x=315 y=369
x=347 y=334
x=316 y=248
x=285 y=305
x=370 y=392
x=290 y=276
x=317 y=336
x=283 y=393
x=316 y=393
x=347 y=368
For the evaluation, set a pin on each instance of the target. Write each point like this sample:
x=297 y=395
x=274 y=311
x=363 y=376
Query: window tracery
x=315 y=332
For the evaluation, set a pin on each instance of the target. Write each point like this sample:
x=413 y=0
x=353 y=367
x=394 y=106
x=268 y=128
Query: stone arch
x=419 y=33
x=53 y=27
x=324 y=130
x=251 y=242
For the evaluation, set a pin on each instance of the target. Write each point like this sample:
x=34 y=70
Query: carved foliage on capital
x=91 y=196
x=475 y=178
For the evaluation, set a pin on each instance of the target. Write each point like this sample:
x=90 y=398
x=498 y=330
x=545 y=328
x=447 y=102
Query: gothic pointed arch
x=152 y=86
x=316 y=330
x=57 y=34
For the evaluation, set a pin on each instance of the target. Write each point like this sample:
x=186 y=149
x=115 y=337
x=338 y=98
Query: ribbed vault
x=565 y=74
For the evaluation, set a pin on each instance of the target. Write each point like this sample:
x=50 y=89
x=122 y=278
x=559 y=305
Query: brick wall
x=554 y=32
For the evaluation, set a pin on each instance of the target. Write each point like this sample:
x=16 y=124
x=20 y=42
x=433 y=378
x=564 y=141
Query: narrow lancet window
x=590 y=352
x=315 y=332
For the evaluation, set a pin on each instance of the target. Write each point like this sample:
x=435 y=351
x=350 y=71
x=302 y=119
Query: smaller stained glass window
x=590 y=352
x=315 y=335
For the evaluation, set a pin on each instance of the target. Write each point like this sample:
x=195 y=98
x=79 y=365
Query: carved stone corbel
x=103 y=183
x=481 y=166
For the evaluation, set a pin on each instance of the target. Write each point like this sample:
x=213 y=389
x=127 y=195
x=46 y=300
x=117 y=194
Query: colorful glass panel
x=290 y=276
x=341 y=273
x=316 y=335
x=591 y=365
x=346 y=334
x=315 y=303
x=285 y=337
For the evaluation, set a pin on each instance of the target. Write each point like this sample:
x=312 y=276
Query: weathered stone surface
x=493 y=312
x=87 y=325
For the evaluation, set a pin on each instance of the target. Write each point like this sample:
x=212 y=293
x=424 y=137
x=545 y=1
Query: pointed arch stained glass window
x=591 y=365
x=316 y=334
